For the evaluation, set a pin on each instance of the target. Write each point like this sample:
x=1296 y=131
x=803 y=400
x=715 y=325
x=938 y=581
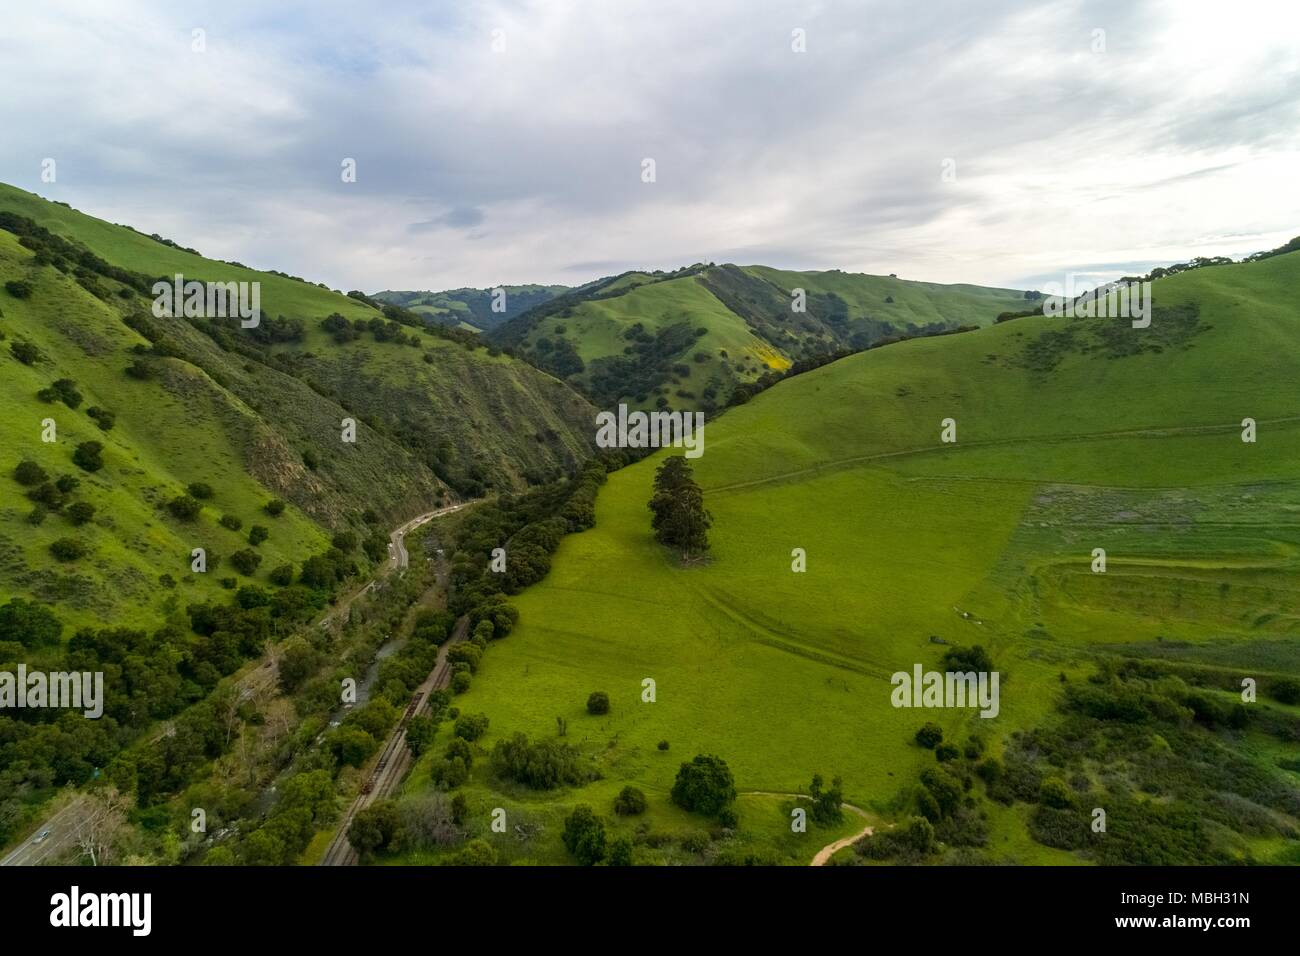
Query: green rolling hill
x=1121 y=690
x=253 y=414
x=472 y=308
x=686 y=339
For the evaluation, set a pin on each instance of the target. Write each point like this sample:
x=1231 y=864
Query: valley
x=927 y=490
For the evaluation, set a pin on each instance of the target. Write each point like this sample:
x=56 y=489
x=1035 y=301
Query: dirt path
x=830 y=849
x=839 y=464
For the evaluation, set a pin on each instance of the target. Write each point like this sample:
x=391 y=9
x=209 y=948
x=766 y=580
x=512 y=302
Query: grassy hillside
x=686 y=339
x=472 y=308
x=1071 y=435
x=254 y=414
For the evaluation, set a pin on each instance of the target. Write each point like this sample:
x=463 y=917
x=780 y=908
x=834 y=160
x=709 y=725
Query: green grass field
x=985 y=541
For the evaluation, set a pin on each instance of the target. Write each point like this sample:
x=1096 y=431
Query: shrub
x=460 y=747
x=630 y=802
x=460 y=681
x=30 y=473
x=257 y=534
x=37 y=515
x=64 y=390
x=1055 y=793
x=540 y=765
x=26 y=352
x=930 y=736
x=598 y=702
x=620 y=853
x=946 y=752
x=471 y=726
x=274 y=507
x=246 y=562
x=282 y=576
x=89 y=456
x=68 y=549
x=584 y=835
x=345 y=541
x=467 y=654
x=19 y=288
x=663 y=745
x=1286 y=691
x=705 y=785
x=200 y=490
x=140 y=370
x=420 y=731
x=103 y=418
x=374 y=827
x=184 y=508
x=476 y=852
x=29 y=623
x=80 y=512
x=231 y=522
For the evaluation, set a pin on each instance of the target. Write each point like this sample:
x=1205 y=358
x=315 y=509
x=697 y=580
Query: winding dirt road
x=829 y=850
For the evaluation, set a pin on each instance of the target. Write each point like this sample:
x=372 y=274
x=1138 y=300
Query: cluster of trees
x=680 y=520
x=55 y=495
x=539 y=764
x=646 y=364
x=69 y=258
x=529 y=526
x=383 y=330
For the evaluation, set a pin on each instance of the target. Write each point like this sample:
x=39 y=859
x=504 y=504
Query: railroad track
x=395 y=758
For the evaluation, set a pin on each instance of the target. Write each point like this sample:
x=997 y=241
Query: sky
x=1000 y=142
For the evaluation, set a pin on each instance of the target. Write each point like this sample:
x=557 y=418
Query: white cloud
x=478 y=167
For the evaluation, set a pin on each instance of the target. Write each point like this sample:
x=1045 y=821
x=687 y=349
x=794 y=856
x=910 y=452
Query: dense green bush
x=68 y=549
x=705 y=785
x=471 y=726
x=584 y=835
x=630 y=802
x=29 y=473
x=930 y=735
x=89 y=456
x=543 y=765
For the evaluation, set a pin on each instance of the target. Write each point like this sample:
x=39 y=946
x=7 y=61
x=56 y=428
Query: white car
x=40 y=837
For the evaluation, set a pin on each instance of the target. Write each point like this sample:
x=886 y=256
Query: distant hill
x=686 y=339
x=254 y=414
x=472 y=308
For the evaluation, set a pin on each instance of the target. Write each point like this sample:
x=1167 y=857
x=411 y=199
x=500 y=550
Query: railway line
x=395 y=758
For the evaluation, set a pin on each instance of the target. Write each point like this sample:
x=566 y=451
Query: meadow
x=1125 y=444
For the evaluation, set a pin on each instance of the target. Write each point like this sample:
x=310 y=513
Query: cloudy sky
x=504 y=141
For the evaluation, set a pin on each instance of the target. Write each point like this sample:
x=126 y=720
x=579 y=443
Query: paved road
x=397 y=555
x=62 y=829
x=395 y=758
